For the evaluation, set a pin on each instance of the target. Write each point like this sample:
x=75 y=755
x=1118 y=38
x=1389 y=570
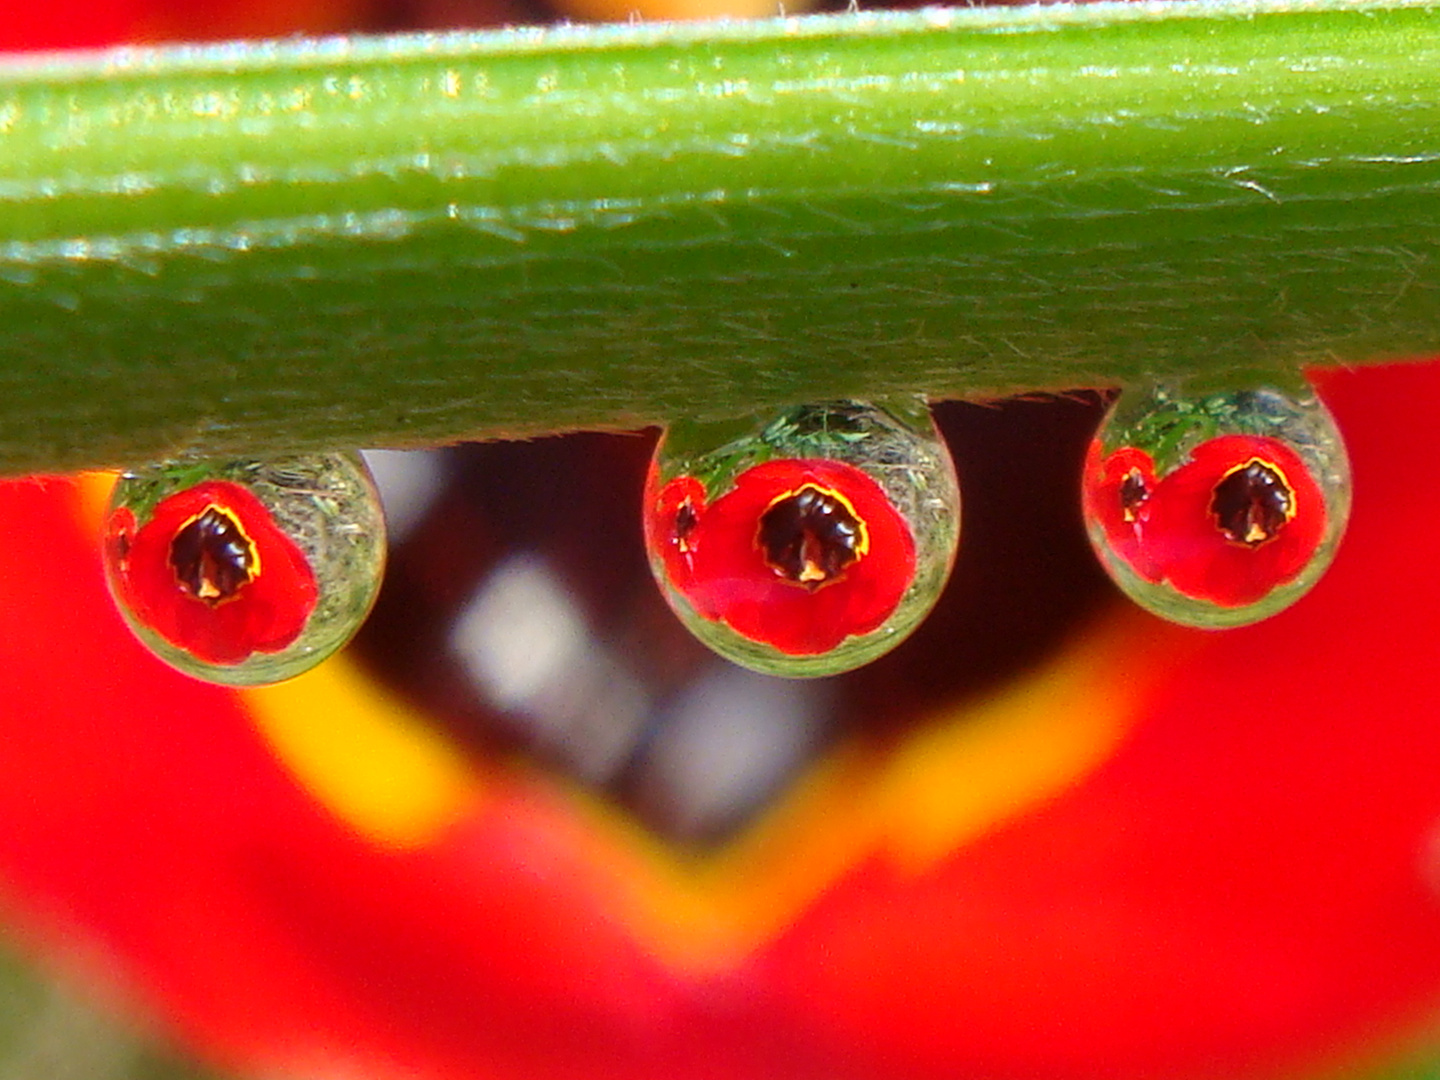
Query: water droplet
x=1216 y=510
x=808 y=542
x=246 y=572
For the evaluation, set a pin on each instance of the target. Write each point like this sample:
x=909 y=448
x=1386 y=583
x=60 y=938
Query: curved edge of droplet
x=934 y=524
x=1328 y=460
x=348 y=589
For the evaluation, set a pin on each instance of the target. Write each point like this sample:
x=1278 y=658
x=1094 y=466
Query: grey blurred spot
x=409 y=482
x=727 y=742
x=527 y=649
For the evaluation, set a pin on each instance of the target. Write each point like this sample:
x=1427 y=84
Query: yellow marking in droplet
x=812 y=570
x=1271 y=467
x=207 y=588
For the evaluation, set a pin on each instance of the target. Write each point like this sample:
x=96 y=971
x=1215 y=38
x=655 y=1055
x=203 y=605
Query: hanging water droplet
x=809 y=542
x=246 y=572
x=1216 y=510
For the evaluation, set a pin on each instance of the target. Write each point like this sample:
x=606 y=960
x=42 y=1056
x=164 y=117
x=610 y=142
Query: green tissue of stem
x=273 y=247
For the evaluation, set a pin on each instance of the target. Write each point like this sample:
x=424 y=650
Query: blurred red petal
x=1248 y=883
x=75 y=24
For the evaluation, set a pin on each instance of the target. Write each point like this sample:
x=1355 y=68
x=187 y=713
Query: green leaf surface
x=396 y=241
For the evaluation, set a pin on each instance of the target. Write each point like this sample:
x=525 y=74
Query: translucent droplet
x=246 y=572
x=1216 y=510
x=807 y=543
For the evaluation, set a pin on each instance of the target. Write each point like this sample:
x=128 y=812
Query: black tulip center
x=810 y=537
x=685 y=521
x=212 y=557
x=1133 y=494
x=1253 y=503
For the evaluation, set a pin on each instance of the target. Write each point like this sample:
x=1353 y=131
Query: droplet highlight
x=1219 y=509
x=805 y=543
x=245 y=572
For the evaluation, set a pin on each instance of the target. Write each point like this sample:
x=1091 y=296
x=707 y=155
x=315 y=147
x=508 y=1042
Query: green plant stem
x=406 y=240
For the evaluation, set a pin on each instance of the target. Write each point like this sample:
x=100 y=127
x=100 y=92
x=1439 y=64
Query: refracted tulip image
x=246 y=572
x=1220 y=509
x=808 y=543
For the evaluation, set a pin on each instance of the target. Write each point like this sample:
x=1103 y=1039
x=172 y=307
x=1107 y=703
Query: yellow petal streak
x=366 y=756
x=965 y=771
x=392 y=777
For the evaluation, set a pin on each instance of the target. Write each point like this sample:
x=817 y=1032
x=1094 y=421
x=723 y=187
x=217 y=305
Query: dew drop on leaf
x=245 y=572
x=807 y=542
x=1216 y=509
